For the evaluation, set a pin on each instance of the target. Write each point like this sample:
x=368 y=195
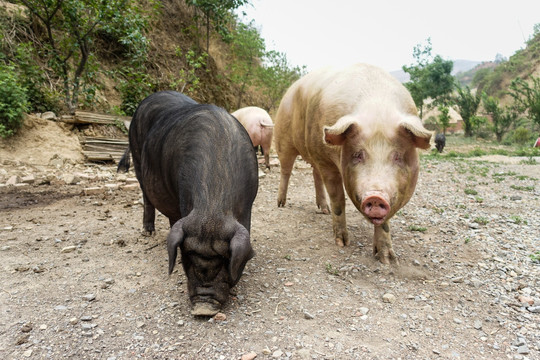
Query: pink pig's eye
x=358 y=157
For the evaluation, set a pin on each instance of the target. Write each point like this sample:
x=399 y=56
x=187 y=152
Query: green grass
x=471 y=192
x=417 y=228
x=481 y=220
x=522 y=188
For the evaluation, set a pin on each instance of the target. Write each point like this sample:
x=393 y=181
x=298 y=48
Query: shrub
x=521 y=135
x=13 y=102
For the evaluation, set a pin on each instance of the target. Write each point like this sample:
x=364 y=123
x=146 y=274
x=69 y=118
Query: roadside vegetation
x=61 y=56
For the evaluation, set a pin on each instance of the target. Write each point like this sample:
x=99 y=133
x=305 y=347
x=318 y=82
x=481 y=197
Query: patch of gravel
x=80 y=281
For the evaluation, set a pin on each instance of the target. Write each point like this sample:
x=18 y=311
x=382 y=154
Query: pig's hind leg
x=149 y=217
x=286 y=165
x=320 y=192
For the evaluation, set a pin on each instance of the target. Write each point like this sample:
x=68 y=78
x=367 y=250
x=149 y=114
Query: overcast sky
x=384 y=32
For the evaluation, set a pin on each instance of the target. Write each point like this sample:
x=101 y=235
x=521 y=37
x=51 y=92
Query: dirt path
x=79 y=281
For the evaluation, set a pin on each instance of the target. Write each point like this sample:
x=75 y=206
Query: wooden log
x=85 y=117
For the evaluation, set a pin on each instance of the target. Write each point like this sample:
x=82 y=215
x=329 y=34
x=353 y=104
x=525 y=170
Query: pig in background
x=440 y=142
x=196 y=165
x=259 y=126
x=358 y=127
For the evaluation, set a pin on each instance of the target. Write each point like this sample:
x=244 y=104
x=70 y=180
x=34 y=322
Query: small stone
x=363 y=311
x=277 y=354
x=389 y=298
x=27 y=327
x=458 y=321
x=29 y=179
x=93 y=191
x=43 y=327
x=525 y=299
x=249 y=356
x=68 y=249
x=27 y=353
x=220 y=317
x=304 y=354
x=70 y=179
x=13 y=180
x=534 y=309
x=86 y=318
x=308 y=316
x=478 y=325
x=523 y=349
x=73 y=321
x=266 y=351
x=89 y=297
x=140 y=324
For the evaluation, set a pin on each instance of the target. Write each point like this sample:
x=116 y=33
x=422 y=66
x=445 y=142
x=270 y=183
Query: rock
x=534 y=309
x=68 y=249
x=304 y=354
x=523 y=349
x=389 y=298
x=308 y=316
x=220 y=317
x=48 y=115
x=13 y=180
x=93 y=191
x=89 y=297
x=27 y=353
x=478 y=325
x=525 y=299
x=249 y=356
x=70 y=179
x=277 y=354
x=29 y=179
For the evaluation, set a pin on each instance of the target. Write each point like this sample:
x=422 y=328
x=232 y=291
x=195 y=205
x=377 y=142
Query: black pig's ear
x=174 y=240
x=240 y=252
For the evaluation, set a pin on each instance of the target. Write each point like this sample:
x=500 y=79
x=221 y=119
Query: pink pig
x=358 y=127
x=259 y=126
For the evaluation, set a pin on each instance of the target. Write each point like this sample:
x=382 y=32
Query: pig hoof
x=205 y=309
x=388 y=258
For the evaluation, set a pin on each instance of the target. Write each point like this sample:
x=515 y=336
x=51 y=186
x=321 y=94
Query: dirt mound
x=39 y=141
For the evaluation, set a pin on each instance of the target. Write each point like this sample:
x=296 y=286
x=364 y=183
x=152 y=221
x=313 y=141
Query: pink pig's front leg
x=382 y=244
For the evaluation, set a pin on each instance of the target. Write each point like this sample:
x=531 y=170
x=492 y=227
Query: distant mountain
x=459 y=67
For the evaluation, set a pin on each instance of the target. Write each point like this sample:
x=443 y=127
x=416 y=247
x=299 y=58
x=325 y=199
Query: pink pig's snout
x=375 y=207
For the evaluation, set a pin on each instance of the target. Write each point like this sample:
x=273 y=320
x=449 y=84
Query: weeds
x=417 y=228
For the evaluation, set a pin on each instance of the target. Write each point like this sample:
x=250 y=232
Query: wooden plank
x=85 y=117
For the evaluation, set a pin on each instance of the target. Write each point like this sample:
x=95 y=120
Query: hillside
x=525 y=63
x=146 y=47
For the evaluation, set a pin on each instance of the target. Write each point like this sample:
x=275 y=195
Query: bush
x=521 y=136
x=13 y=102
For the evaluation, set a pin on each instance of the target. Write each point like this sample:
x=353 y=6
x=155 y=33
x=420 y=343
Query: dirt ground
x=79 y=280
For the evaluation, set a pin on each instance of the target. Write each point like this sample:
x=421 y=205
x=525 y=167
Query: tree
x=527 y=97
x=216 y=12
x=275 y=76
x=467 y=103
x=70 y=30
x=248 y=49
x=431 y=77
x=444 y=117
x=501 y=117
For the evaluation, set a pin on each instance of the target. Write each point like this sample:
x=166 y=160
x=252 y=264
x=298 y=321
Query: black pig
x=196 y=165
x=440 y=142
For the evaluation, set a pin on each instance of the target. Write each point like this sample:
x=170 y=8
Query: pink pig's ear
x=419 y=134
x=337 y=133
